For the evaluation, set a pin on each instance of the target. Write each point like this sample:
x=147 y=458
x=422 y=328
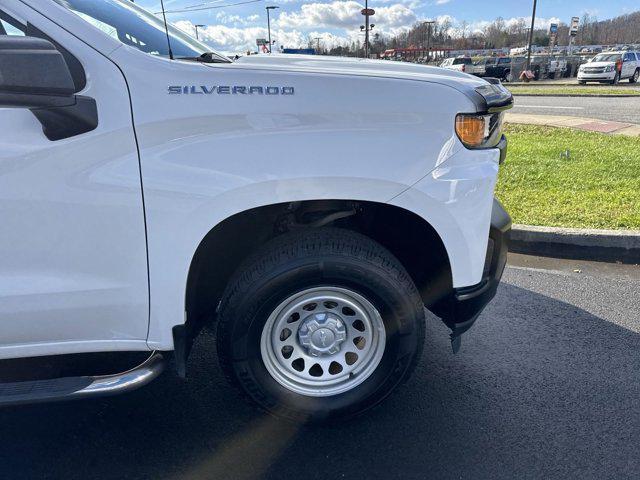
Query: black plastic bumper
x=502 y=146
x=465 y=304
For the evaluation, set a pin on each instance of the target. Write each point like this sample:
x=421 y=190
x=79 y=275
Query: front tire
x=616 y=79
x=635 y=76
x=320 y=324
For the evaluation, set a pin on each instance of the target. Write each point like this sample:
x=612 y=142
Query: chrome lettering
x=228 y=90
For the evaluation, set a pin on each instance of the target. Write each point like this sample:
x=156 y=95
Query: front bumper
x=596 y=77
x=462 y=307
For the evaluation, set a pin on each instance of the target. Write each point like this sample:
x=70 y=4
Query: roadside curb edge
x=578 y=123
x=582 y=244
x=570 y=95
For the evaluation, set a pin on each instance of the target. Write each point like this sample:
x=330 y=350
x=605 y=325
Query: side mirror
x=34 y=75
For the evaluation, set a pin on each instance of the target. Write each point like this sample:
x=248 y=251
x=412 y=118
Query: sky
x=235 y=28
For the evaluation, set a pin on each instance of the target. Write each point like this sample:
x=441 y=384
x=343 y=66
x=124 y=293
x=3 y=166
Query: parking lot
x=603 y=108
x=310 y=182
x=546 y=386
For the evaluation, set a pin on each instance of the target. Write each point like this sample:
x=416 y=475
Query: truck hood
x=599 y=64
x=322 y=64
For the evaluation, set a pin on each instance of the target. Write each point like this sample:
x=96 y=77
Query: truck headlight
x=479 y=131
x=609 y=68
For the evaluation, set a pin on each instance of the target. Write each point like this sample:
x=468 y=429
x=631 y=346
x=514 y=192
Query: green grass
x=572 y=90
x=598 y=186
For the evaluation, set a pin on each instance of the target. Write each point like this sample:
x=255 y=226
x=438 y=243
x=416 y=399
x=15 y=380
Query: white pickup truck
x=462 y=64
x=151 y=186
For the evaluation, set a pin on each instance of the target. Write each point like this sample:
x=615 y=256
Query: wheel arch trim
x=168 y=302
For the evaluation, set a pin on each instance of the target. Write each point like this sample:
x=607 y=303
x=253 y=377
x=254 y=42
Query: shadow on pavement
x=540 y=389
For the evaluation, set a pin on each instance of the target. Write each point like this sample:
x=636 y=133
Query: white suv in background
x=611 y=67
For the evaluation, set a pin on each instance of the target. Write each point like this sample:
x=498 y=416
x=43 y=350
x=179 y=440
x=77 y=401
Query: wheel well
x=409 y=237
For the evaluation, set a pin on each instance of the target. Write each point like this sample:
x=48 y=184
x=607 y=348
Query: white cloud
x=233 y=40
x=335 y=14
x=224 y=18
x=346 y=15
x=540 y=22
x=413 y=4
x=293 y=29
x=446 y=18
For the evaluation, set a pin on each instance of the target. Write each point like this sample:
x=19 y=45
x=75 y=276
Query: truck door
x=73 y=268
x=628 y=65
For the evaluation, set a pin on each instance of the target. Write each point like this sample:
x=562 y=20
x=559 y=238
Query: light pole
x=366 y=28
x=533 y=21
x=198 y=26
x=271 y=7
x=366 y=34
x=317 y=39
x=429 y=23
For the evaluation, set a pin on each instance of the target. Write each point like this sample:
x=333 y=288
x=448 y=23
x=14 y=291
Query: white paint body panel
x=354 y=129
x=73 y=275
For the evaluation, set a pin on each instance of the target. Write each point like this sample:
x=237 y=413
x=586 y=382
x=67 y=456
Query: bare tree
x=622 y=29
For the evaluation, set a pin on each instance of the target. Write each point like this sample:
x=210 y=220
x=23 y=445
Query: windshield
x=607 y=57
x=136 y=27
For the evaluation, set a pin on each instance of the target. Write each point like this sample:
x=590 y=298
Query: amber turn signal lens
x=471 y=129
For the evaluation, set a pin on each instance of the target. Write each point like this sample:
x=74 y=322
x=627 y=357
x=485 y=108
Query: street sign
x=367 y=11
x=573 y=30
x=553 y=34
x=261 y=41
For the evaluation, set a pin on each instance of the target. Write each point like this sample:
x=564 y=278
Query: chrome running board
x=71 y=388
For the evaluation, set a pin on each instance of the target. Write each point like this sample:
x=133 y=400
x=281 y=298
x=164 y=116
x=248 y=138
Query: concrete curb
x=577 y=243
x=515 y=94
x=573 y=83
x=579 y=123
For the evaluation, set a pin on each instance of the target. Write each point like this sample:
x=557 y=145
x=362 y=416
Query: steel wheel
x=323 y=341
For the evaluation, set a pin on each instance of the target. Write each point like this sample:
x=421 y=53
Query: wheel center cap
x=322 y=334
x=323 y=338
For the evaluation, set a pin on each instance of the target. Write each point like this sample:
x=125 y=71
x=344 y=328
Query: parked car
x=461 y=64
x=148 y=191
x=611 y=67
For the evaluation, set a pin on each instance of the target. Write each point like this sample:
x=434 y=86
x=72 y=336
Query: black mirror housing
x=34 y=75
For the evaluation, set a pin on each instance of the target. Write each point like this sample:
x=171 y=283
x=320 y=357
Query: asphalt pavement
x=547 y=385
x=616 y=109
